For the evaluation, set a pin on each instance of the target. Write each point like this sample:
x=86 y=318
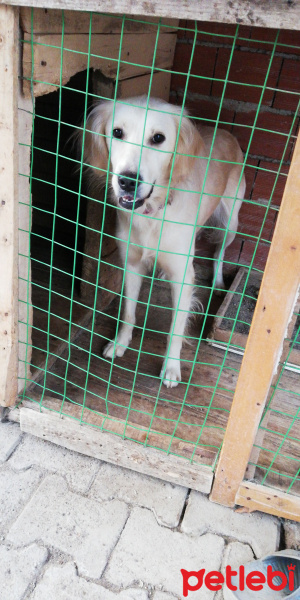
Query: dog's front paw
x=171 y=373
x=113 y=349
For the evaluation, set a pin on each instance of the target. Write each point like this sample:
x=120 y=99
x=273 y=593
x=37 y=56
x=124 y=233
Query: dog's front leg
x=181 y=299
x=133 y=281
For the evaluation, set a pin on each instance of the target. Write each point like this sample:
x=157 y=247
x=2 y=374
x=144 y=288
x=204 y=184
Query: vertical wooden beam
x=25 y=312
x=8 y=205
x=275 y=304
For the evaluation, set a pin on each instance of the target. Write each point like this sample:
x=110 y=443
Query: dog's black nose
x=127 y=181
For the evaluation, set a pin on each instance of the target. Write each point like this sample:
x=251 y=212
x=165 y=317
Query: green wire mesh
x=63 y=361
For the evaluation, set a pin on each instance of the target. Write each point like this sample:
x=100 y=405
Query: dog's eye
x=118 y=133
x=158 y=138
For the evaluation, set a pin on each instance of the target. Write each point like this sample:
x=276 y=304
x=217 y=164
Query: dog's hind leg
x=219 y=285
x=133 y=281
x=226 y=217
x=181 y=299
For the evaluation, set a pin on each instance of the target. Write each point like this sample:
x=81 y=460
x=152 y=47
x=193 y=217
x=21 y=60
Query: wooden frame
x=275 y=304
x=8 y=206
x=67 y=432
x=266 y=13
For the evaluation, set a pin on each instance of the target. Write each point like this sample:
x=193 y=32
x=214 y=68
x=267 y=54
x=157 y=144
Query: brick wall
x=269 y=151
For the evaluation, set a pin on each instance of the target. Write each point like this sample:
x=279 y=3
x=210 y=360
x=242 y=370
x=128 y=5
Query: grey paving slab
x=80 y=527
x=165 y=596
x=78 y=469
x=63 y=583
x=292 y=534
x=259 y=530
x=235 y=555
x=164 y=499
x=155 y=555
x=15 y=491
x=10 y=436
x=18 y=569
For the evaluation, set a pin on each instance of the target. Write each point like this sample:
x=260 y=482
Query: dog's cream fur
x=173 y=242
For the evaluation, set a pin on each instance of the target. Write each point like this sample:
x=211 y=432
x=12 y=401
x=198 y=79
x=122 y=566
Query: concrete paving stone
x=155 y=555
x=259 y=530
x=78 y=469
x=292 y=534
x=165 y=596
x=235 y=555
x=83 y=528
x=15 y=491
x=63 y=583
x=10 y=436
x=166 y=500
x=18 y=568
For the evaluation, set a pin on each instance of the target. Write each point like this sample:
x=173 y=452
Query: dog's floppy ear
x=190 y=146
x=95 y=151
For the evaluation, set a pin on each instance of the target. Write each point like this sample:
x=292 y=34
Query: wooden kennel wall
x=277 y=297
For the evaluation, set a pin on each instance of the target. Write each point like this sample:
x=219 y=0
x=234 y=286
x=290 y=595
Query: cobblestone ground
x=75 y=528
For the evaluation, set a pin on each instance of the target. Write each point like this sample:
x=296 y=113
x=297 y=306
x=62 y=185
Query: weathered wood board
x=258 y=497
x=136 y=57
x=124 y=453
x=8 y=205
x=47 y=20
x=261 y=13
x=137 y=86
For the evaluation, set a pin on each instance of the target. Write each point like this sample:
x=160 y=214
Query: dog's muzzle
x=127 y=201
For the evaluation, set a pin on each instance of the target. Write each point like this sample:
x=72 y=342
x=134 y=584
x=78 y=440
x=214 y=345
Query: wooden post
x=8 y=205
x=275 y=304
x=25 y=311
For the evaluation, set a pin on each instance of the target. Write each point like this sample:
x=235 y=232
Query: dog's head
x=140 y=141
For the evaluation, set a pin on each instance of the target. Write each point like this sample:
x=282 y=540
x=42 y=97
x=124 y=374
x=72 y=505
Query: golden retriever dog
x=167 y=181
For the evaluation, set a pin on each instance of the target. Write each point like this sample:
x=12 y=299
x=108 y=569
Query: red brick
x=216 y=33
x=182 y=33
x=264 y=143
x=207 y=111
x=202 y=65
x=250 y=172
x=265 y=181
x=261 y=254
x=290 y=82
x=261 y=38
x=249 y=68
x=251 y=217
x=289 y=38
x=232 y=254
x=293 y=143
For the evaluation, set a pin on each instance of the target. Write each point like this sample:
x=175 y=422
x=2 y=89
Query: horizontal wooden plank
x=50 y=21
x=111 y=448
x=136 y=86
x=136 y=49
x=262 y=13
x=273 y=502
